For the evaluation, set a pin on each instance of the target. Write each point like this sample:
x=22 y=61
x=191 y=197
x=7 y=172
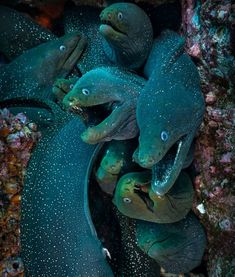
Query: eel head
x=127 y=33
x=131 y=196
x=165 y=154
x=58 y=58
x=100 y=92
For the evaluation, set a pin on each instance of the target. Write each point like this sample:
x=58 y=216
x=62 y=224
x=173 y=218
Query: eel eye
x=62 y=47
x=85 y=91
x=126 y=200
x=164 y=136
x=71 y=86
x=120 y=16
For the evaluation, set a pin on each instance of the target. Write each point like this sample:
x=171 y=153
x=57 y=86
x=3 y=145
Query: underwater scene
x=117 y=138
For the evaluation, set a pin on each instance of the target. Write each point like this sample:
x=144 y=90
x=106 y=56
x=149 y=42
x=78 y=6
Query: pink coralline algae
x=17 y=139
x=207 y=26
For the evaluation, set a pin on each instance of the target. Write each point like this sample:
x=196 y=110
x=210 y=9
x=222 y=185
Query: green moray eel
x=117 y=92
x=135 y=198
x=127 y=33
x=177 y=247
x=33 y=73
x=169 y=111
x=58 y=237
x=133 y=261
x=62 y=86
x=19 y=33
x=116 y=160
x=85 y=21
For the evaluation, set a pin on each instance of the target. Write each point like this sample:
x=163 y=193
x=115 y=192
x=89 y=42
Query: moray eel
x=177 y=247
x=133 y=261
x=135 y=198
x=57 y=234
x=169 y=111
x=116 y=160
x=33 y=73
x=19 y=33
x=127 y=33
x=62 y=86
x=85 y=21
x=117 y=92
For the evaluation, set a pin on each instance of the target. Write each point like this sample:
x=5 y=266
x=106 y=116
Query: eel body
x=169 y=111
x=116 y=160
x=19 y=33
x=85 y=21
x=177 y=247
x=57 y=234
x=133 y=261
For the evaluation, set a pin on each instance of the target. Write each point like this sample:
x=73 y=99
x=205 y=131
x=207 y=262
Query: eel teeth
x=75 y=108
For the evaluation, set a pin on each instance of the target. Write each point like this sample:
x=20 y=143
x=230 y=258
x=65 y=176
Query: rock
x=207 y=29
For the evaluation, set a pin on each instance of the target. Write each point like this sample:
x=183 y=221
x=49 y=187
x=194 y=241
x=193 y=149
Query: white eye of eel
x=126 y=200
x=62 y=48
x=164 y=136
x=85 y=91
x=120 y=16
x=71 y=86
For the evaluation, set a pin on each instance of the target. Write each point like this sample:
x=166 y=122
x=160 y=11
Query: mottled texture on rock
x=208 y=29
x=18 y=136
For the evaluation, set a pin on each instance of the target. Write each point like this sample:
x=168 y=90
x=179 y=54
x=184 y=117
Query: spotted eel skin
x=57 y=234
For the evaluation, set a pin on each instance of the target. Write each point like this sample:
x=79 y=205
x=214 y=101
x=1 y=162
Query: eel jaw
x=105 y=129
x=107 y=27
x=72 y=58
x=166 y=171
x=144 y=196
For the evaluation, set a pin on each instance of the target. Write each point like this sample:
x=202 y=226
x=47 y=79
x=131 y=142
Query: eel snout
x=166 y=171
x=165 y=164
x=73 y=49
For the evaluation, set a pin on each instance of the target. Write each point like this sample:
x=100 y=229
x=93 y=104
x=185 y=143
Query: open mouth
x=110 y=24
x=144 y=196
x=94 y=115
x=165 y=172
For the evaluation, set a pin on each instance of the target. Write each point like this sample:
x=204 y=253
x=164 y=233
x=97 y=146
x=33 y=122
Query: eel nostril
x=72 y=99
